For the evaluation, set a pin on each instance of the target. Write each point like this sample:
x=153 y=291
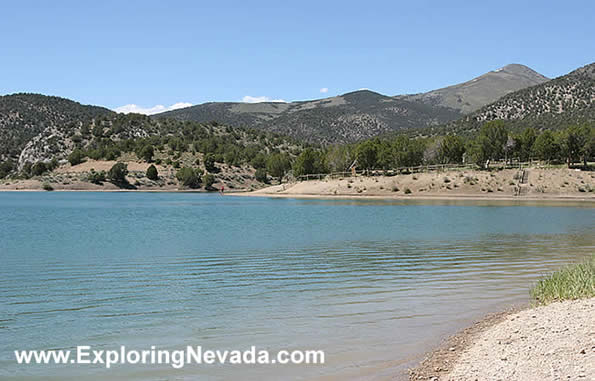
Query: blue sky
x=149 y=53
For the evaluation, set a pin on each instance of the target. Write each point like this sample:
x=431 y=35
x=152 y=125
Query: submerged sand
x=553 y=342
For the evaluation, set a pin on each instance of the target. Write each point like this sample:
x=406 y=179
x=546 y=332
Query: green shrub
x=76 y=157
x=261 y=175
x=278 y=164
x=38 y=168
x=53 y=164
x=96 y=177
x=189 y=177
x=407 y=191
x=208 y=181
x=152 y=173
x=5 y=168
x=118 y=172
x=47 y=187
x=210 y=163
x=259 y=161
x=146 y=153
x=309 y=162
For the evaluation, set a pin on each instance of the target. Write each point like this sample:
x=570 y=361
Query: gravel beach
x=553 y=342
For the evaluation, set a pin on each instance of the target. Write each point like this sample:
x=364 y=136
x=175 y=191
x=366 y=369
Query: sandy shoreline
x=469 y=197
x=533 y=184
x=511 y=185
x=562 y=199
x=550 y=342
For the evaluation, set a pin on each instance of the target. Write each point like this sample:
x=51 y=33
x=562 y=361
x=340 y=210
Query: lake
x=374 y=284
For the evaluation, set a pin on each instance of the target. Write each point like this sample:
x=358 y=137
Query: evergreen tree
x=278 y=164
x=152 y=173
x=117 y=173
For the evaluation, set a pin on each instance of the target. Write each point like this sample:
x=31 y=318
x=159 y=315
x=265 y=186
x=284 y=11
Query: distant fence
x=415 y=169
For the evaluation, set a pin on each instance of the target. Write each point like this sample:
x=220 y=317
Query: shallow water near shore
x=372 y=283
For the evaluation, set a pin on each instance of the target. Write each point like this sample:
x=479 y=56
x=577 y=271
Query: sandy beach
x=509 y=184
x=553 y=342
x=534 y=184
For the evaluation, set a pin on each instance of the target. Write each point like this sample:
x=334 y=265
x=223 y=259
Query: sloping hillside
x=569 y=99
x=360 y=115
x=24 y=116
x=363 y=114
x=485 y=89
x=344 y=118
x=36 y=128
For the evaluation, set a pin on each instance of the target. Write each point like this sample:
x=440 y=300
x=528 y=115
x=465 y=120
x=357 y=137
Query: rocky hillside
x=26 y=116
x=569 y=99
x=363 y=114
x=36 y=128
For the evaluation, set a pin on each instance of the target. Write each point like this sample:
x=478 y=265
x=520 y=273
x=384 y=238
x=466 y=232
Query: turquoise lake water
x=372 y=283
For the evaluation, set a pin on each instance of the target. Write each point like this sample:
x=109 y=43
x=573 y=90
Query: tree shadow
x=124 y=185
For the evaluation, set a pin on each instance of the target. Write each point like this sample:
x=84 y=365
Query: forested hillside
x=45 y=132
x=24 y=116
x=346 y=118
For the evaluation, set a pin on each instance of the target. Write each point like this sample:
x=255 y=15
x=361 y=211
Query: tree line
x=273 y=157
x=494 y=142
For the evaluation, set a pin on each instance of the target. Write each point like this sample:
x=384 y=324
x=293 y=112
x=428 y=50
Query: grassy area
x=572 y=282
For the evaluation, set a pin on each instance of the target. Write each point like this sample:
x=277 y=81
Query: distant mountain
x=565 y=100
x=485 y=89
x=363 y=114
x=344 y=118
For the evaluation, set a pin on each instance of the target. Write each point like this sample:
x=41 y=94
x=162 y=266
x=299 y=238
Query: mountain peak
x=363 y=96
x=485 y=89
x=556 y=103
x=515 y=67
x=521 y=70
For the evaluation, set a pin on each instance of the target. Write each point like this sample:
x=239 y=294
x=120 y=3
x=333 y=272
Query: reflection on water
x=374 y=284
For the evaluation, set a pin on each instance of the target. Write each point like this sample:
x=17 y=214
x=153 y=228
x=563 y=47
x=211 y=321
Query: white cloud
x=324 y=90
x=250 y=99
x=178 y=105
x=127 y=109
